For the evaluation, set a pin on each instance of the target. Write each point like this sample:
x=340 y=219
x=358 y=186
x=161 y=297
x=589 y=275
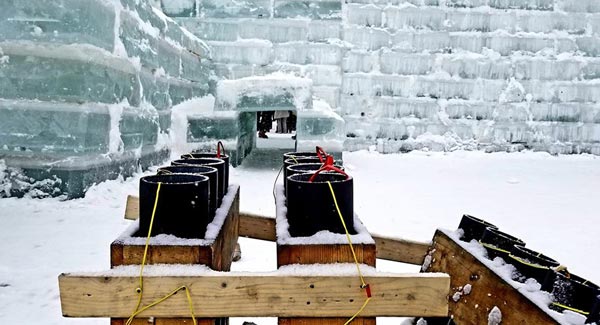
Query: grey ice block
x=179 y=8
x=235 y=9
x=57 y=129
x=59 y=21
x=308 y=9
x=63 y=75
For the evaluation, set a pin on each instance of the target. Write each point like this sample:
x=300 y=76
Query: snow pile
x=495 y=316
x=14 y=182
x=231 y=92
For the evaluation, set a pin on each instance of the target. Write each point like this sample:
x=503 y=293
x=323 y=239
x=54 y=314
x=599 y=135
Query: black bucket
x=300 y=160
x=182 y=207
x=299 y=154
x=311 y=207
x=473 y=228
x=219 y=164
x=224 y=157
x=573 y=293
x=303 y=168
x=207 y=171
x=498 y=243
x=531 y=264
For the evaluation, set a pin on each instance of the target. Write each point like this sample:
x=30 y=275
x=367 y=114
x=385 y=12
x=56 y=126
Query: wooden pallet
x=215 y=253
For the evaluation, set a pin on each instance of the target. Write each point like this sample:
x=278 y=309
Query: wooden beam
x=132 y=208
x=257 y=227
x=400 y=250
x=487 y=289
x=250 y=295
x=263 y=227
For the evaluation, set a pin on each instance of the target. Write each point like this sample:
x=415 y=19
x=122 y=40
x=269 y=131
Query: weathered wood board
x=488 y=289
x=215 y=294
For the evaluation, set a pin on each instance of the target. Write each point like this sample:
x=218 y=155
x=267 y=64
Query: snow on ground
x=550 y=202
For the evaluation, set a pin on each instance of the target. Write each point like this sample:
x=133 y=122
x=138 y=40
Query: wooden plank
x=487 y=288
x=325 y=321
x=401 y=250
x=388 y=248
x=132 y=208
x=250 y=295
x=325 y=254
x=224 y=245
x=257 y=227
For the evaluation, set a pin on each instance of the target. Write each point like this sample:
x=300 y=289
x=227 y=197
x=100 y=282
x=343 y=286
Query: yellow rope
x=140 y=289
x=362 y=279
x=570 y=308
x=358 y=312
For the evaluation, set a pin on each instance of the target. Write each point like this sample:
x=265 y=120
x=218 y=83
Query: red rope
x=327 y=168
x=321 y=154
x=219 y=146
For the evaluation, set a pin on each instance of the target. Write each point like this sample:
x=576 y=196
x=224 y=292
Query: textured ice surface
x=275 y=91
x=85 y=86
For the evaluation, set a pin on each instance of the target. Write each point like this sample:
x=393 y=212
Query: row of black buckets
x=568 y=290
x=309 y=198
x=191 y=191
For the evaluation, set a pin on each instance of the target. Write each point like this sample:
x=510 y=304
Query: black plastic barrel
x=217 y=163
x=300 y=160
x=197 y=154
x=531 y=264
x=299 y=154
x=303 y=168
x=182 y=208
x=498 y=243
x=207 y=171
x=573 y=292
x=311 y=207
x=473 y=228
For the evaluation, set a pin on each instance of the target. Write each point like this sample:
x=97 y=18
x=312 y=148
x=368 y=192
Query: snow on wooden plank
x=249 y=295
x=487 y=289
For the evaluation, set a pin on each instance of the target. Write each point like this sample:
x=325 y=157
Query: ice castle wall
x=86 y=88
x=438 y=74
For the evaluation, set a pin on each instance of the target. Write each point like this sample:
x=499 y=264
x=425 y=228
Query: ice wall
x=86 y=87
x=441 y=74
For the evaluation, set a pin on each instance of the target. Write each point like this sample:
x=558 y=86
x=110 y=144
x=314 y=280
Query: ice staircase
x=441 y=74
x=86 y=88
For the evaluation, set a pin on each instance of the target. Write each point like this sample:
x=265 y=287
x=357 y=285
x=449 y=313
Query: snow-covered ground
x=550 y=202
